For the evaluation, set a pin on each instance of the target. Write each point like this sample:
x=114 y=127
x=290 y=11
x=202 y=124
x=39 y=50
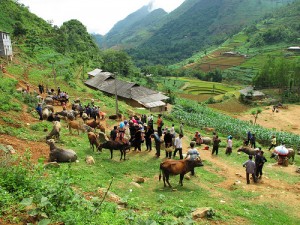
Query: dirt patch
x=284 y=120
x=37 y=149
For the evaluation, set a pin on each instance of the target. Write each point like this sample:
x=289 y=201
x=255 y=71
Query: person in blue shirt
x=39 y=110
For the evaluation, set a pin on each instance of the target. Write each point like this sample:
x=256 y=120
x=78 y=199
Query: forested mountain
x=194 y=26
x=65 y=48
x=134 y=28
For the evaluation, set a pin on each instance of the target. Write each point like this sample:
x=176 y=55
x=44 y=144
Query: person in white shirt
x=229 y=145
x=178 y=146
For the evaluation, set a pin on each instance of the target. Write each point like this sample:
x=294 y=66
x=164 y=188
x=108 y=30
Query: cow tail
x=159 y=175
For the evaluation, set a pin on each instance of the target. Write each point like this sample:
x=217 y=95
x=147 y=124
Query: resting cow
x=247 y=150
x=175 y=167
x=115 y=145
x=59 y=154
x=291 y=154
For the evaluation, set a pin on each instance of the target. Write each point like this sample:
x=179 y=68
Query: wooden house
x=252 y=94
x=132 y=93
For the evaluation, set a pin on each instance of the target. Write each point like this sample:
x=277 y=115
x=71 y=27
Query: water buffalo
x=175 y=167
x=206 y=140
x=60 y=155
x=115 y=145
x=247 y=150
x=291 y=154
x=48 y=100
x=55 y=132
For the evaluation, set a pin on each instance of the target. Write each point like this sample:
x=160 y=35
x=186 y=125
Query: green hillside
x=63 y=51
x=204 y=23
x=125 y=192
x=253 y=47
x=134 y=29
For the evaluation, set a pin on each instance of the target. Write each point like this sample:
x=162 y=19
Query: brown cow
x=175 y=167
x=93 y=139
x=95 y=124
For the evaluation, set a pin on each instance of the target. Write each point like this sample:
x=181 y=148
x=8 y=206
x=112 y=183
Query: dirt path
x=235 y=177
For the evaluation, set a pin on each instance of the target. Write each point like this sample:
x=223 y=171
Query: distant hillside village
x=132 y=93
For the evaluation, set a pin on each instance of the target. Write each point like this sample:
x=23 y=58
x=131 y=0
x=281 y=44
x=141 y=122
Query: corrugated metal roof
x=123 y=88
x=95 y=72
x=255 y=93
x=154 y=104
x=294 y=48
x=105 y=82
x=97 y=81
x=151 y=98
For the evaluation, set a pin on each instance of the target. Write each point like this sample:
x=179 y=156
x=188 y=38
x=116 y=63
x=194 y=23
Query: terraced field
x=198 y=90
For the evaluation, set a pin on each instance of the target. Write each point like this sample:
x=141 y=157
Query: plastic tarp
x=281 y=150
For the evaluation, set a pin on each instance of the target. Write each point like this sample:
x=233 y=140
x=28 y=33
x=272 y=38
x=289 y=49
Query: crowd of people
x=140 y=129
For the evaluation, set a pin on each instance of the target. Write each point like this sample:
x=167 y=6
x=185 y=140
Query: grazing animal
x=102 y=115
x=206 y=140
x=84 y=117
x=60 y=155
x=115 y=117
x=175 y=167
x=291 y=154
x=45 y=113
x=62 y=113
x=77 y=125
x=247 y=150
x=209 y=129
x=55 y=131
x=115 y=145
x=70 y=115
x=89 y=160
x=102 y=137
x=93 y=139
x=87 y=128
x=96 y=124
x=49 y=100
x=50 y=107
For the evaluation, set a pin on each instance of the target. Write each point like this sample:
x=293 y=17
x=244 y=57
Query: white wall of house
x=5 y=44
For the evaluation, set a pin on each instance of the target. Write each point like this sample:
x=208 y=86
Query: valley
x=200 y=55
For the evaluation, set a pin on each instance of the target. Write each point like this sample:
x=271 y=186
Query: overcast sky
x=98 y=16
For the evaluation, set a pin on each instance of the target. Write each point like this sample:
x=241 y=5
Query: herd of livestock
x=90 y=120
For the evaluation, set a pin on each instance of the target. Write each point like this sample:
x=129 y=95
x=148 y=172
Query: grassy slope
x=153 y=203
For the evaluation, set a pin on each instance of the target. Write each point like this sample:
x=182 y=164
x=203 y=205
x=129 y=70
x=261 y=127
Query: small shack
x=5 y=45
x=252 y=94
x=295 y=49
x=132 y=93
